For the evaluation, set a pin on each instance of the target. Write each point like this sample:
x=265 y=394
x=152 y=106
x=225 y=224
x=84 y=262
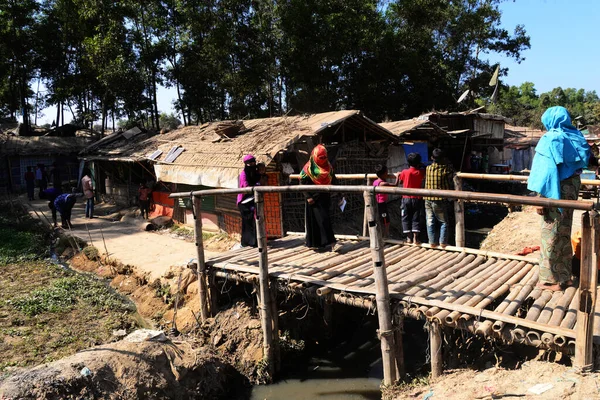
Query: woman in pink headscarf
x=245 y=202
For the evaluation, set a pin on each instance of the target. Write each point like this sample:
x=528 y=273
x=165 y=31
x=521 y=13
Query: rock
x=162 y=222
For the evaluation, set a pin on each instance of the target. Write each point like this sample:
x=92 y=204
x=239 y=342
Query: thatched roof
x=521 y=136
x=41 y=145
x=212 y=153
x=119 y=146
x=414 y=129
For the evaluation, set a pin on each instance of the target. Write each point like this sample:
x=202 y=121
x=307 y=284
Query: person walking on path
x=41 y=177
x=382 y=198
x=144 y=199
x=560 y=156
x=88 y=192
x=248 y=177
x=30 y=183
x=412 y=205
x=438 y=175
x=318 y=171
x=64 y=205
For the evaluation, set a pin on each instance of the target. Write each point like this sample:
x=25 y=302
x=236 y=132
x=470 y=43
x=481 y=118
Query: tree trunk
x=24 y=101
x=181 y=106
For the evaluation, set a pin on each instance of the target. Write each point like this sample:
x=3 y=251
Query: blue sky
x=564 y=50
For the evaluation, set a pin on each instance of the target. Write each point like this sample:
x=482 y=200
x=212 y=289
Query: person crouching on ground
x=248 y=177
x=412 y=178
x=144 y=200
x=560 y=156
x=318 y=171
x=64 y=204
x=51 y=194
x=438 y=176
x=382 y=198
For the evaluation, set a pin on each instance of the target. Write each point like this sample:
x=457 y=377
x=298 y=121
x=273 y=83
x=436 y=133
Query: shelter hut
x=210 y=156
x=117 y=173
x=417 y=135
x=470 y=134
x=19 y=152
x=519 y=145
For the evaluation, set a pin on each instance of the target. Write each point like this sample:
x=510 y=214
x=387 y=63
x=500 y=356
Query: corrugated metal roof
x=521 y=136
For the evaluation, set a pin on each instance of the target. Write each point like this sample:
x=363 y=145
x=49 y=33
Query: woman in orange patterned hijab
x=318 y=168
x=318 y=171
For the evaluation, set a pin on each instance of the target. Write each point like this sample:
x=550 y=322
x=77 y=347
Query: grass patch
x=47 y=313
x=21 y=237
x=66 y=292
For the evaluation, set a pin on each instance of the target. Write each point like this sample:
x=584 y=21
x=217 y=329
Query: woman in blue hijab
x=560 y=157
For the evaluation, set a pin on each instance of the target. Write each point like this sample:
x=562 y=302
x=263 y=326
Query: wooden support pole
x=435 y=340
x=398 y=331
x=201 y=264
x=328 y=315
x=584 y=332
x=459 y=214
x=265 y=305
x=365 y=218
x=275 y=317
x=382 y=295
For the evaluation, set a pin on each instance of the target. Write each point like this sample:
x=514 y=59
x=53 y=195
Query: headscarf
x=318 y=168
x=559 y=154
x=251 y=171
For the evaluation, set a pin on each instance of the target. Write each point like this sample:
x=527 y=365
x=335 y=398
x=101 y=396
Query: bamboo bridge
x=485 y=293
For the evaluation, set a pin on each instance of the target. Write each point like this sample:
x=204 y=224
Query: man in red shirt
x=144 y=198
x=412 y=205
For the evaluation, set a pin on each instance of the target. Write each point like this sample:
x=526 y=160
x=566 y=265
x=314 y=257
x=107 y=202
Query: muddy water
x=347 y=366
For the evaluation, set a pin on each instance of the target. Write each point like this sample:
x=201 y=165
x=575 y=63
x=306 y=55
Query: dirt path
x=150 y=253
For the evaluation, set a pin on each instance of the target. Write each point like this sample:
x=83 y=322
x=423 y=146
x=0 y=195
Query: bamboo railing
x=446 y=312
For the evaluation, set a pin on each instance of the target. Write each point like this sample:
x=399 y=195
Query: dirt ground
x=124 y=370
x=497 y=383
x=127 y=241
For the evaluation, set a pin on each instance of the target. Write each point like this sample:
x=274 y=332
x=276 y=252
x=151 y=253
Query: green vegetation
x=47 y=311
x=20 y=239
x=525 y=106
x=68 y=292
x=235 y=59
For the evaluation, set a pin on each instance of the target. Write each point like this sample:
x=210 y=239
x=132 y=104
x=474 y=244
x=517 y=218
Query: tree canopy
x=233 y=59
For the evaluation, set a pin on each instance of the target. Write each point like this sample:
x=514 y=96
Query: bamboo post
x=399 y=330
x=365 y=225
x=382 y=295
x=584 y=333
x=265 y=305
x=459 y=214
x=435 y=340
x=201 y=264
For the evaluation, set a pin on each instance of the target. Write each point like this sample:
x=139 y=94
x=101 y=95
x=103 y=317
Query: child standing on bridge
x=412 y=178
x=382 y=198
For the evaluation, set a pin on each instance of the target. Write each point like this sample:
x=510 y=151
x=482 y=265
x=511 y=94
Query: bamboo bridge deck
x=493 y=296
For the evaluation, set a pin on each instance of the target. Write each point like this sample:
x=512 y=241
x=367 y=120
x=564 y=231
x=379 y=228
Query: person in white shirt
x=88 y=192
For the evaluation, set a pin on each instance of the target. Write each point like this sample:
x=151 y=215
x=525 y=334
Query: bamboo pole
x=435 y=340
x=516 y=178
x=587 y=292
x=448 y=194
x=365 y=230
x=459 y=214
x=382 y=294
x=265 y=291
x=398 y=333
x=201 y=265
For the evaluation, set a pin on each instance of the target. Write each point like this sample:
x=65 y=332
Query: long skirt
x=556 y=250
x=319 y=232
x=248 y=224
